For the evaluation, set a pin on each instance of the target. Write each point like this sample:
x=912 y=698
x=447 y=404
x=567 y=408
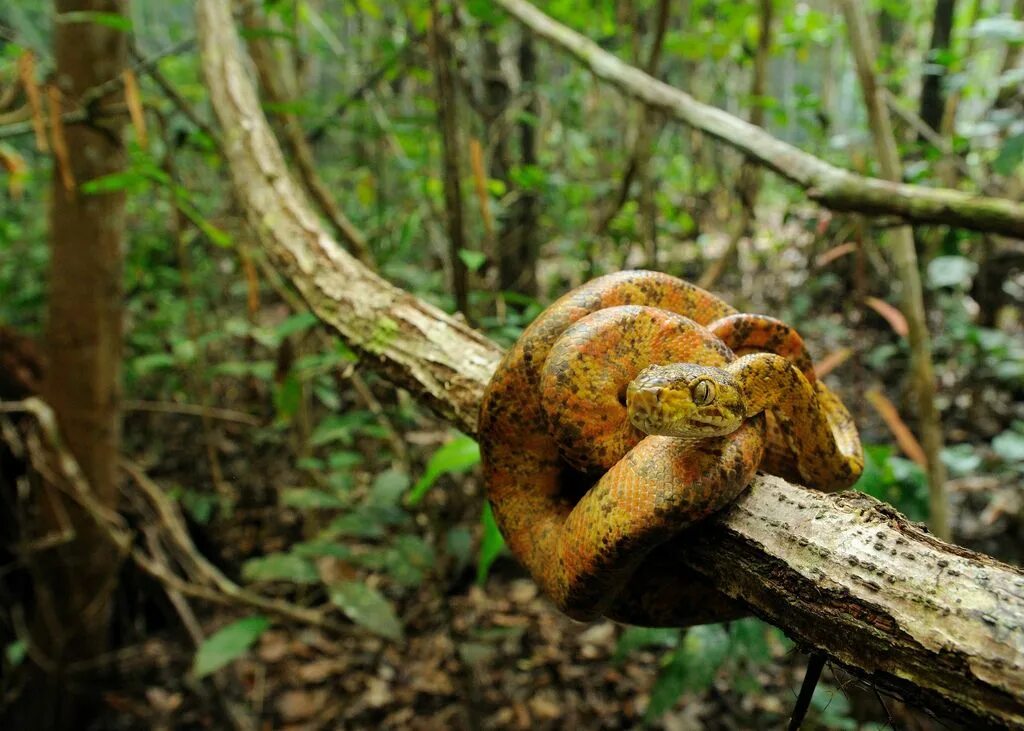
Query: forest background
x=307 y=544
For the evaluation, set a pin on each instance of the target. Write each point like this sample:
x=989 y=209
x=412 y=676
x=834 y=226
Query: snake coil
x=633 y=407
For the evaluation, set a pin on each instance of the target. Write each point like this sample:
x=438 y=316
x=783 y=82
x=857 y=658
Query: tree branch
x=826 y=184
x=842 y=574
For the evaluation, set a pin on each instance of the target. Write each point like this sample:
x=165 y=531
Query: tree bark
x=905 y=259
x=933 y=97
x=826 y=184
x=440 y=55
x=842 y=574
x=75 y=581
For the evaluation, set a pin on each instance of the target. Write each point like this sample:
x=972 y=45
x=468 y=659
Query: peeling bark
x=843 y=574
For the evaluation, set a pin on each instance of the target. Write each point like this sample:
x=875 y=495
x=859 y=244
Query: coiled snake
x=623 y=414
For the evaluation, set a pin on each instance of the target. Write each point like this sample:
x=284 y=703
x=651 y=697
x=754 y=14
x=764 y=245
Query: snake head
x=685 y=400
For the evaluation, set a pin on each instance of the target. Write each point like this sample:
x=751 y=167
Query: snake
x=632 y=408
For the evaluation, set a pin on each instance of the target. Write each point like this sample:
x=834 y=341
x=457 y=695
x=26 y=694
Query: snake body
x=624 y=414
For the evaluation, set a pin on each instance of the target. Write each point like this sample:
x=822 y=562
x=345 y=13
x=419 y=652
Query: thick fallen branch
x=826 y=184
x=842 y=574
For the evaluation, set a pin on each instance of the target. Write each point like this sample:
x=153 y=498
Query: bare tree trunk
x=75 y=581
x=933 y=97
x=440 y=56
x=519 y=246
x=948 y=125
x=905 y=259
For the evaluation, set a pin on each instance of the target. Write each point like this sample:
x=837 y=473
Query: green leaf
x=310 y=498
x=633 y=638
x=690 y=667
x=457 y=456
x=491 y=545
x=1010 y=155
x=951 y=271
x=407 y=561
x=280 y=567
x=999 y=28
x=318 y=548
x=15 y=653
x=458 y=544
x=297 y=323
x=129 y=180
x=961 y=459
x=288 y=397
x=228 y=644
x=152 y=362
x=367 y=607
x=339 y=428
x=1010 y=446
x=388 y=487
x=472 y=259
x=484 y=11
x=110 y=20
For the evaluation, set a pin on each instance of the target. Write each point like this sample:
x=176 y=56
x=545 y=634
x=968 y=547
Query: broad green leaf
x=388 y=487
x=1011 y=154
x=339 y=428
x=999 y=28
x=491 y=545
x=961 y=459
x=299 y=322
x=318 y=548
x=129 y=180
x=951 y=271
x=152 y=362
x=310 y=498
x=692 y=666
x=288 y=397
x=280 y=567
x=367 y=607
x=15 y=653
x=472 y=259
x=484 y=11
x=633 y=638
x=1010 y=446
x=228 y=644
x=457 y=456
x=749 y=638
x=407 y=561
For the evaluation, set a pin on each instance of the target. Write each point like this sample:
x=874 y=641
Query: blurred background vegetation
x=304 y=476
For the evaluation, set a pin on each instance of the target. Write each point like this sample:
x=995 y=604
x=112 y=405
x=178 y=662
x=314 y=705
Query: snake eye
x=703 y=392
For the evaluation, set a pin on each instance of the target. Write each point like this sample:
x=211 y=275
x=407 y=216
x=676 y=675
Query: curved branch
x=842 y=574
x=826 y=184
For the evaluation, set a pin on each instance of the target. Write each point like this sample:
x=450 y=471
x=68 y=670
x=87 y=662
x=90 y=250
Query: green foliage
x=280 y=567
x=228 y=644
x=15 y=653
x=491 y=545
x=894 y=480
x=367 y=607
x=455 y=457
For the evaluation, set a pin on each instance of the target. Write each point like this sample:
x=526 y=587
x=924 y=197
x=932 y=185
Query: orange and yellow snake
x=633 y=407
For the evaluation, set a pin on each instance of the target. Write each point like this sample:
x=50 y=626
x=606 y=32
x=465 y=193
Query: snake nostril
x=622 y=395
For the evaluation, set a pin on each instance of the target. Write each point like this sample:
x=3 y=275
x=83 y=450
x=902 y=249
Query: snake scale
x=631 y=408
